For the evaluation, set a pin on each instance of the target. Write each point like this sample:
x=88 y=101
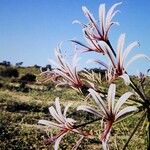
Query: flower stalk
x=133 y=132
x=109 y=109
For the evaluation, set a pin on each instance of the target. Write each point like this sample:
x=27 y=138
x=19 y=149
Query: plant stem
x=109 y=44
x=133 y=132
x=86 y=123
x=136 y=89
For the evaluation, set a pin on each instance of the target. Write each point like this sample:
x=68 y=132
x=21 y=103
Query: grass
x=20 y=113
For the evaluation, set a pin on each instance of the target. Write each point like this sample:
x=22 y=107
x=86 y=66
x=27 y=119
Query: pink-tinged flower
x=67 y=71
x=118 y=63
x=64 y=124
x=109 y=109
x=94 y=32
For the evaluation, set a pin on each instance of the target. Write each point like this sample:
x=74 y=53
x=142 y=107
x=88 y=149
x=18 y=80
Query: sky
x=30 y=30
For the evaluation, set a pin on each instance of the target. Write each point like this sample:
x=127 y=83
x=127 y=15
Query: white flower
x=94 y=32
x=119 y=62
x=109 y=109
x=63 y=123
x=67 y=71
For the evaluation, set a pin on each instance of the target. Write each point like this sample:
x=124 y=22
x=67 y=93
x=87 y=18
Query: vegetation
x=20 y=113
x=9 y=72
x=110 y=109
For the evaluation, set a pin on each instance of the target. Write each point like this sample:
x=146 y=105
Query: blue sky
x=31 y=29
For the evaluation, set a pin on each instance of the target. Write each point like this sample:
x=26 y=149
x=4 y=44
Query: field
x=20 y=112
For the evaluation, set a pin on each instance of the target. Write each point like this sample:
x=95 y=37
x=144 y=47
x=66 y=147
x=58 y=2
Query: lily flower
x=119 y=62
x=64 y=124
x=67 y=71
x=94 y=32
x=109 y=109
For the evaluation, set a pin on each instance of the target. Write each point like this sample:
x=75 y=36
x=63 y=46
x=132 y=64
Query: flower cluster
x=109 y=109
x=97 y=40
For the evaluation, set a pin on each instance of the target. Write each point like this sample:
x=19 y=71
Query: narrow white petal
x=125 y=111
x=85 y=11
x=85 y=47
x=104 y=46
x=56 y=146
x=75 y=60
x=120 y=46
x=69 y=123
x=80 y=23
x=102 y=18
x=99 y=101
x=91 y=110
x=111 y=13
x=66 y=109
x=88 y=14
x=128 y=49
x=135 y=58
x=104 y=145
x=122 y=100
x=112 y=10
x=58 y=108
x=126 y=78
x=110 y=25
x=72 y=70
x=70 y=120
x=50 y=124
x=92 y=43
x=111 y=96
x=55 y=115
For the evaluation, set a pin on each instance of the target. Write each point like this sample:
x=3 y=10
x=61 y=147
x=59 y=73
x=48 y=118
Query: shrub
x=9 y=72
x=28 y=78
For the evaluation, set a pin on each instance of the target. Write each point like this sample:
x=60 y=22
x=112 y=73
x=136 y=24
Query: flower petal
x=104 y=46
x=90 y=110
x=121 y=101
x=111 y=97
x=111 y=13
x=120 y=46
x=88 y=15
x=99 y=101
x=56 y=146
x=102 y=18
x=58 y=108
x=125 y=111
x=55 y=115
x=66 y=109
x=126 y=78
x=135 y=58
x=50 y=124
x=128 y=49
